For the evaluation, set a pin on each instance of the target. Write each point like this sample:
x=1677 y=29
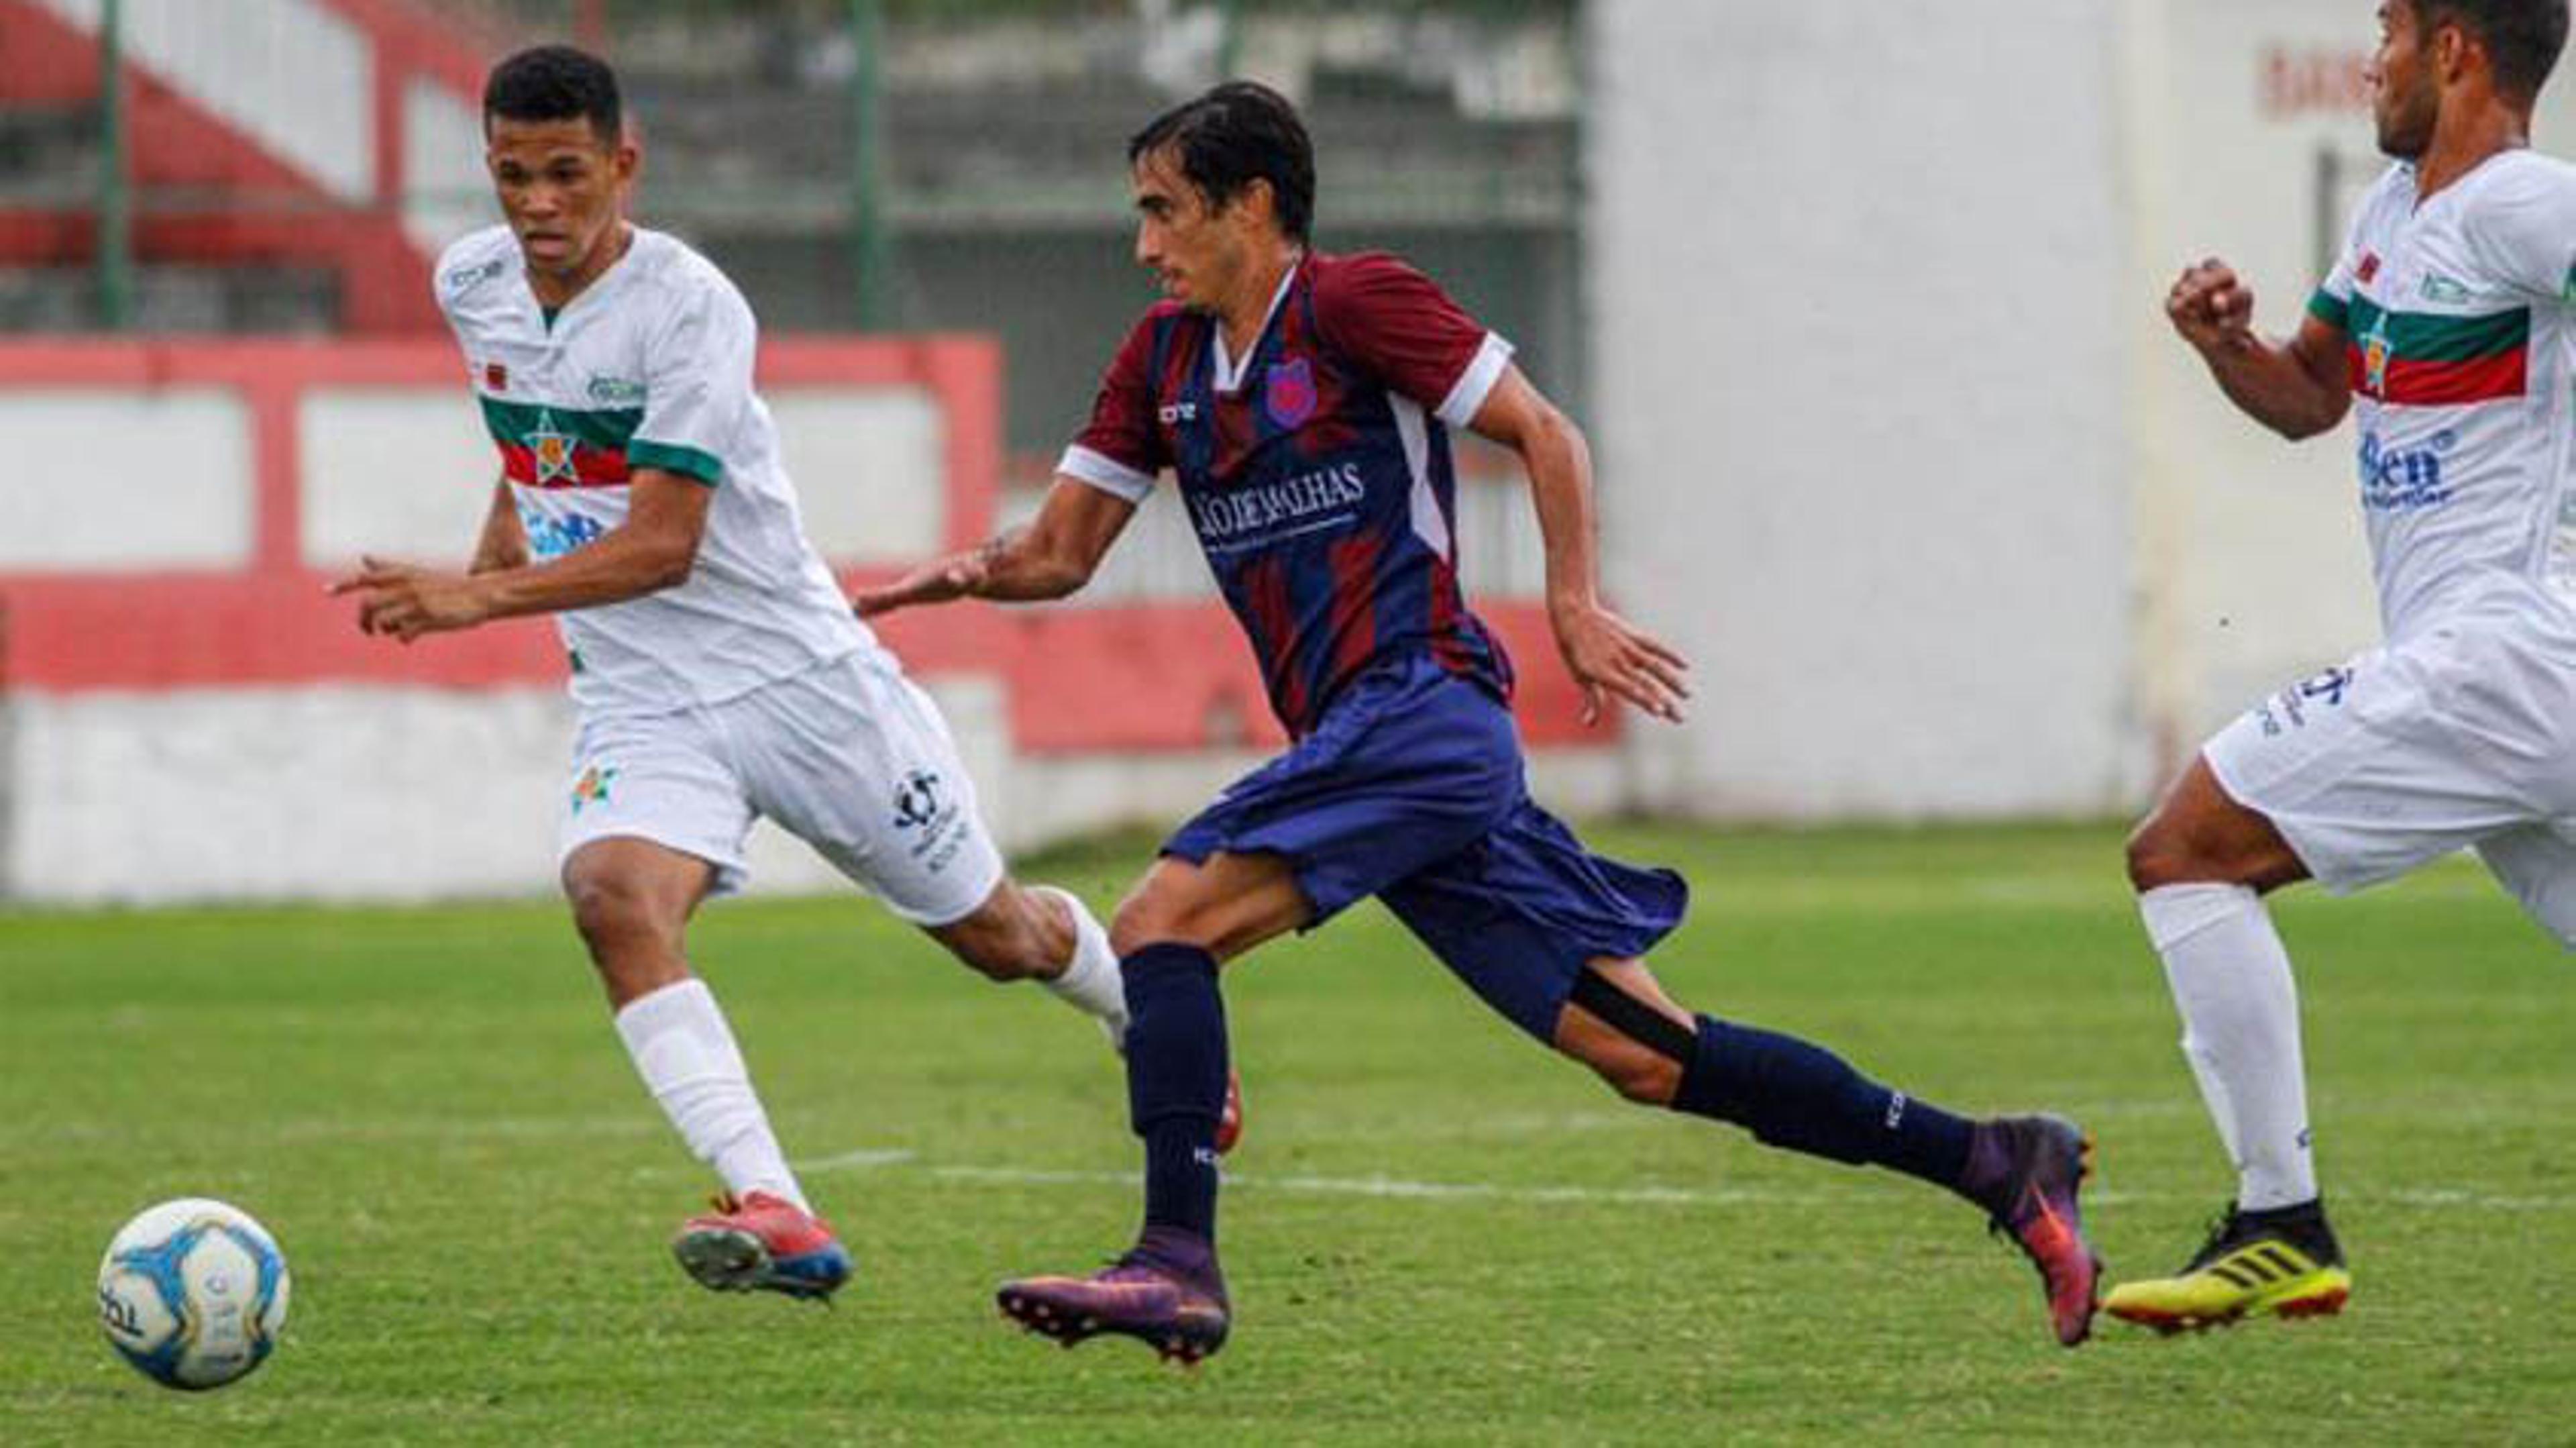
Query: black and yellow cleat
x=2284 y=1262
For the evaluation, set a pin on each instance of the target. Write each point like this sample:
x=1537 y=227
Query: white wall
x=102 y=478
x=1895 y=440
x=1857 y=334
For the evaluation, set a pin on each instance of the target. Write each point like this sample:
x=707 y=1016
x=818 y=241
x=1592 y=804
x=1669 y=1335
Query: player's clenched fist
x=2210 y=307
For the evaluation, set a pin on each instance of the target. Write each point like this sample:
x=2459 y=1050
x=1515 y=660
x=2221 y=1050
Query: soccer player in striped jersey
x=1304 y=402
x=2448 y=325
x=719 y=674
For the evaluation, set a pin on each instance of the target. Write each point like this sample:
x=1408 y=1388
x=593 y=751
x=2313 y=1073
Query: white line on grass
x=1400 y=1188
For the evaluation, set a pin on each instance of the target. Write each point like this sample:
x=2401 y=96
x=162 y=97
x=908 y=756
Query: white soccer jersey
x=650 y=367
x=2460 y=343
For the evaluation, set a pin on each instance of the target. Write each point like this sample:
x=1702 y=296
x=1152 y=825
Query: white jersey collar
x=1230 y=369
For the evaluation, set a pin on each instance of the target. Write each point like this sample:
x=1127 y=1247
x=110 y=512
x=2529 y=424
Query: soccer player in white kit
x=719 y=673
x=2449 y=326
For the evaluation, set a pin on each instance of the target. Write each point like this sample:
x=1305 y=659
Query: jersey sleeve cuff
x=2330 y=309
x=1106 y=473
x=688 y=462
x=1469 y=392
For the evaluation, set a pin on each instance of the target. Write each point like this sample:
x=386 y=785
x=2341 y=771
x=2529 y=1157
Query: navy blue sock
x=1805 y=1098
x=1176 y=1068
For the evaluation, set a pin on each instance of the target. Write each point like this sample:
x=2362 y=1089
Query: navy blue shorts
x=1411 y=789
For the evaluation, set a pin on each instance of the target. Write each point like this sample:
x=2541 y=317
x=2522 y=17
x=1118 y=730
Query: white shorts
x=2462 y=736
x=850 y=757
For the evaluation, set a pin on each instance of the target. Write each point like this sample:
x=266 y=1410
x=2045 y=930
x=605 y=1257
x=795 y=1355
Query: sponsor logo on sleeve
x=465 y=278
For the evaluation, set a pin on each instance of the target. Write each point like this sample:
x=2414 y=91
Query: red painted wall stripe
x=1143 y=677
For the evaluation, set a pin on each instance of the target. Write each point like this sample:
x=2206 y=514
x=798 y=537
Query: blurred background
x=1859 y=303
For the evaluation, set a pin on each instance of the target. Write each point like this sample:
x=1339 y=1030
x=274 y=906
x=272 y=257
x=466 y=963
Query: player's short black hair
x=555 y=83
x=1239 y=133
x=2522 y=37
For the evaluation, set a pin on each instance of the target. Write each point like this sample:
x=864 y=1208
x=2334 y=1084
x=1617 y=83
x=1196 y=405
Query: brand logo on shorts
x=916 y=800
x=592 y=787
x=2289 y=710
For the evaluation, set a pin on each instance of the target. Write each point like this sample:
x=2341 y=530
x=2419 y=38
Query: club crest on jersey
x=2374 y=357
x=552 y=450
x=1289 y=392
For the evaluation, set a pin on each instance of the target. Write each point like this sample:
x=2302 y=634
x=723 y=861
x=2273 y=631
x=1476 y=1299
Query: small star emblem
x=552 y=450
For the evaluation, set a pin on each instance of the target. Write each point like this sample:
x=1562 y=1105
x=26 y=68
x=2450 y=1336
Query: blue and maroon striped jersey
x=1316 y=470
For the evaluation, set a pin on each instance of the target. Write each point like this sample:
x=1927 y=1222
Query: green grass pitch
x=1436 y=1232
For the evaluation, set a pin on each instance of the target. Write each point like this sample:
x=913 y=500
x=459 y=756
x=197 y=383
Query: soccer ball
x=192 y=1292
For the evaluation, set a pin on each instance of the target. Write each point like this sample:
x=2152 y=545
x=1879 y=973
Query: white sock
x=686 y=1054
x=1091 y=983
x=2240 y=1031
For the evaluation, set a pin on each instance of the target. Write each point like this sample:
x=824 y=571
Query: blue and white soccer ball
x=193 y=1292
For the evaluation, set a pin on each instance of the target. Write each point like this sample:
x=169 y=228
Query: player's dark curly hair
x=2522 y=37
x=1239 y=133
x=555 y=83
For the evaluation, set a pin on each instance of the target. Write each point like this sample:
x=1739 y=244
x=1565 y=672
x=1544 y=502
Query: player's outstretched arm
x=2297 y=388
x=1052 y=555
x=653 y=549
x=1601 y=649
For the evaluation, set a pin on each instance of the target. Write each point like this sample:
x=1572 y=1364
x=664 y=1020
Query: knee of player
x=608 y=911
x=1143 y=920
x=1635 y=1072
x=2158 y=854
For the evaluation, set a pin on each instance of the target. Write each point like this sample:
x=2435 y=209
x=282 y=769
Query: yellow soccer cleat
x=2284 y=1262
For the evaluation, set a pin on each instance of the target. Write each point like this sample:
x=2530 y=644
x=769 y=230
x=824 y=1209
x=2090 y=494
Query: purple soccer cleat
x=2035 y=1206
x=1167 y=1293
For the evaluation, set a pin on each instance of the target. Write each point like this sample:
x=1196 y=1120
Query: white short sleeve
x=2525 y=230
x=697 y=382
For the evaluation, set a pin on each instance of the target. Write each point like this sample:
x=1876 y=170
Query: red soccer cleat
x=762 y=1242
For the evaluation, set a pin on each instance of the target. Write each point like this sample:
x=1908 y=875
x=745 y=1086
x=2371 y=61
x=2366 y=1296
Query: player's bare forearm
x=1051 y=556
x=1559 y=462
x=1603 y=651
x=654 y=549
x=2297 y=388
x=2272 y=384
x=623 y=564
x=504 y=543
